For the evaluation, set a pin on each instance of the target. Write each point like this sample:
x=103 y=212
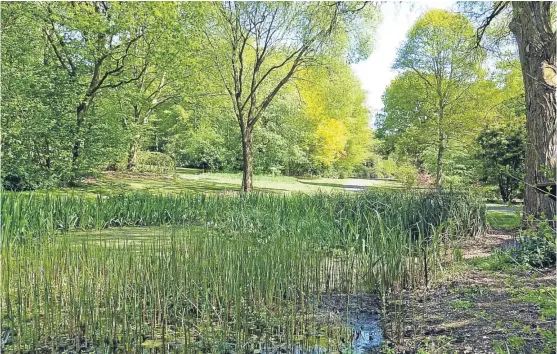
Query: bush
x=385 y=168
x=407 y=175
x=536 y=246
x=150 y=161
x=363 y=171
x=402 y=171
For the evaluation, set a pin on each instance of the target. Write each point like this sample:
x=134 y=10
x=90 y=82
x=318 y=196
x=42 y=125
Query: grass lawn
x=193 y=180
x=503 y=217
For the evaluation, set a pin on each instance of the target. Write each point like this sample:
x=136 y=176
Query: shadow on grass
x=115 y=184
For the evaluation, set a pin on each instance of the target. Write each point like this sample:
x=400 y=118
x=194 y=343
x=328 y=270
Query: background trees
x=257 y=48
x=268 y=88
x=440 y=68
x=90 y=86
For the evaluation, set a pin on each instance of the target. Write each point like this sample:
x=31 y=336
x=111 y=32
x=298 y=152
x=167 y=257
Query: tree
x=338 y=135
x=95 y=43
x=533 y=26
x=257 y=48
x=502 y=156
x=36 y=134
x=172 y=71
x=438 y=60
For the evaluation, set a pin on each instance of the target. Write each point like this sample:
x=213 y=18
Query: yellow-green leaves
x=334 y=108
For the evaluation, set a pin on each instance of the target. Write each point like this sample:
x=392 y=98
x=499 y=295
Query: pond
x=188 y=289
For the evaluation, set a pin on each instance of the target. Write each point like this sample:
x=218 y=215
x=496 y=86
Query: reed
x=27 y=216
x=232 y=274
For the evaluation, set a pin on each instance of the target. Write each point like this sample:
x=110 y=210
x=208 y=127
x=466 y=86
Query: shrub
x=385 y=168
x=150 y=161
x=407 y=175
x=363 y=171
x=536 y=246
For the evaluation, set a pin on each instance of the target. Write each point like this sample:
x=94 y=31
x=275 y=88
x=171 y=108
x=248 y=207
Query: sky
x=376 y=72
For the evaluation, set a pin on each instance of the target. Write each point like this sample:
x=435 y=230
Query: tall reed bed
x=330 y=216
x=240 y=274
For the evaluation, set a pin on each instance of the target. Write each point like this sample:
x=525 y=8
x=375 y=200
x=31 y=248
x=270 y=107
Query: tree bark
x=134 y=147
x=440 y=154
x=247 y=154
x=81 y=110
x=531 y=26
x=132 y=155
x=503 y=190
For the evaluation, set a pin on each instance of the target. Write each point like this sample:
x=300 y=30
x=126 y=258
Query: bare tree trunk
x=503 y=190
x=134 y=147
x=440 y=155
x=531 y=26
x=247 y=154
x=81 y=111
x=132 y=154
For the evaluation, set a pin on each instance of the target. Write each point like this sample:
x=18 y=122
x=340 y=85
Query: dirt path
x=480 y=311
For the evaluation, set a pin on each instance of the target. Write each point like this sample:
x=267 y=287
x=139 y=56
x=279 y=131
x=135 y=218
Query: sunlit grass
x=193 y=180
x=503 y=220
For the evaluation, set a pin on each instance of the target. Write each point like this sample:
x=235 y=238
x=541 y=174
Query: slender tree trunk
x=247 y=154
x=132 y=154
x=531 y=26
x=503 y=190
x=134 y=147
x=509 y=189
x=440 y=155
x=80 y=118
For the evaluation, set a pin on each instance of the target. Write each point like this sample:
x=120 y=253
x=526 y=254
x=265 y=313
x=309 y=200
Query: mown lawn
x=503 y=217
x=193 y=180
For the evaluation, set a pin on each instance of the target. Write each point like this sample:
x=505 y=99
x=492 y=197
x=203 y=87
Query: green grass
x=503 y=220
x=27 y=216
x=193 y=180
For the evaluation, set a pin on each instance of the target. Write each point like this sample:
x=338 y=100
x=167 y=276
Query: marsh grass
x=218 y=273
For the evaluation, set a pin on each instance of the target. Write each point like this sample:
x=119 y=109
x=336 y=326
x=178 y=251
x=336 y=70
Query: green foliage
x=36 y=99
x=461 y=304
x=237 y=266
x=338 y=137
x=32 y=215
x=536 y=245
x=149 y=161
x=502 y=156
x=435 y=107
x=389 y=168
x=142 y=78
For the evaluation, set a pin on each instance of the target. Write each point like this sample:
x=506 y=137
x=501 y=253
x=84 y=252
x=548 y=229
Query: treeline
x=267 y=88
x=104 y=85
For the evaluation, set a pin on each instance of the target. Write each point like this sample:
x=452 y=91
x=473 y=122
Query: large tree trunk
x=531 y=26
x=247 y=154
